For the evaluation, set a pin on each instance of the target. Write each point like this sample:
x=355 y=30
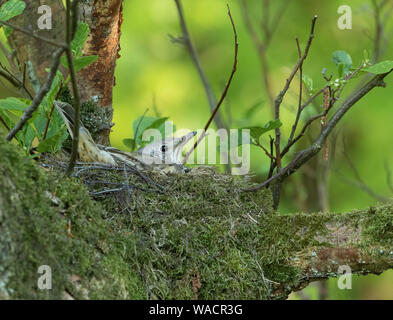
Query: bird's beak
x=184 y=139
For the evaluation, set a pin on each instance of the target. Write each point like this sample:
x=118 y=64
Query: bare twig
x=4 y=123
x=186 y=39
x=28 y=113
x=70 y=22
x=299 y=109
x=224 y=93
x=34 y=35
x=14 y=80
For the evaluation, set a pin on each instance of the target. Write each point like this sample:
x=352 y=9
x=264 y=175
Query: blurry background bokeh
x=156 y=74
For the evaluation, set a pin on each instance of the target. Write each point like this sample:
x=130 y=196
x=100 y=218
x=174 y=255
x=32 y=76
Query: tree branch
x=33 y=34
x=358 y=240
x=70 y=23
x=303 y=156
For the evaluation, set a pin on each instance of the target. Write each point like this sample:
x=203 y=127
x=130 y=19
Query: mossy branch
x=148 y=245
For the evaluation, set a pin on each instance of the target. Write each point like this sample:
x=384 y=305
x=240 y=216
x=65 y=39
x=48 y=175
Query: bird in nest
x=164 y=154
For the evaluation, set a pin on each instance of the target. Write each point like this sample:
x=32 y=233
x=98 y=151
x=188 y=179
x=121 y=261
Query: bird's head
x=166 y=151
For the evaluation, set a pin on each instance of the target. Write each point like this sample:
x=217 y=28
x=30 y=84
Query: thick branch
x=360 y=240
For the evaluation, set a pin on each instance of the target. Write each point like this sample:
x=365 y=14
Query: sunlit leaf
x=11 y=9
x=381 y=67
x=80 y=38
x=80 y=62
x=256 y=132
x=13 y=104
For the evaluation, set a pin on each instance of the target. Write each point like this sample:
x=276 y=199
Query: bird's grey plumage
x=165 y=152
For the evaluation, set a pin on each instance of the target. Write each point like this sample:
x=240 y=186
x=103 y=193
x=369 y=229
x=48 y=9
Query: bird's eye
x=164 y=148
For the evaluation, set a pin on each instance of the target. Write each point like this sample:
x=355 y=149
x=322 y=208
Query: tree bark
x=33 y=53
x=104 y=18
x=96 y=81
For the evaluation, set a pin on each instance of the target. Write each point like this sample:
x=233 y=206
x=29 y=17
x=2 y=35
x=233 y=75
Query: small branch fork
x=63 y=47
x=331 y=97
x=306 y=154
x=224 y=93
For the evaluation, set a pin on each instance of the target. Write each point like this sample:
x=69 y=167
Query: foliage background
x=157 y=74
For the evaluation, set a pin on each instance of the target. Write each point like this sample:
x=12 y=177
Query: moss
x=33 y=232
x=378 y=225
x=168 y=236
x=95 y=119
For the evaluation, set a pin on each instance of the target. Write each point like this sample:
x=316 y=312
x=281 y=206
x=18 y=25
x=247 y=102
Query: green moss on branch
x=201 y=237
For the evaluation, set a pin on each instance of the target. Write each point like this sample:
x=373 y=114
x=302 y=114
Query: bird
x=162 y=154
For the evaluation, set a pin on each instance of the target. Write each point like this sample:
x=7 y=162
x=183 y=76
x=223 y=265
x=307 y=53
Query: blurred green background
x=154 y=73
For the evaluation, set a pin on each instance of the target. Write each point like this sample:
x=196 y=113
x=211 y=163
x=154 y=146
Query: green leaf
x=51 y=144
x=50 y=97
x=343 y=57
x=253 y=136
x=8 y=31
x=129 y=143
x=142 y=124
x=308 y=82
x=256 y=132
x=340 y=69
x=14 y=104
x=80 y=38
x=381 y=67
x=11 y=9
x=80 y=62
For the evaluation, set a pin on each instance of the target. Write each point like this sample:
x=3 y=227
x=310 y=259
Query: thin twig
x=186 y=39
x=34 y=35
x=28 y=113
x=236 y=44
x=299 y=109
x=4 y=123
x=306 y=154
x=14 y=80
x=280 y=97
x=70 y=18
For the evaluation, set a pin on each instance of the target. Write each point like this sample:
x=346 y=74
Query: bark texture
x=104 y=18
x=96 y=81
x=153 y=245
x=36 y=54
